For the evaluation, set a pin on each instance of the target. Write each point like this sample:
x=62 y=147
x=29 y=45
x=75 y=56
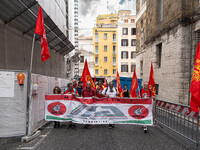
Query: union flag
x=195 y=84
x=39 y=29
x=86 y=76
x=134 y=85
x=151 y=83
x=119 y=88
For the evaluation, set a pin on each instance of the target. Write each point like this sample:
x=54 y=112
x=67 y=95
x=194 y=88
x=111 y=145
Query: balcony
x=114 y=63
x=114 y=40
x=96 y=63
x=96 y=52
x=114 y=52
x=96 y=40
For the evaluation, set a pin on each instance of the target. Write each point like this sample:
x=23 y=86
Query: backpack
x=107 y=90
x=73 y=89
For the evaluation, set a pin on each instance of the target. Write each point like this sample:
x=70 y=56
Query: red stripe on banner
x=99 y=100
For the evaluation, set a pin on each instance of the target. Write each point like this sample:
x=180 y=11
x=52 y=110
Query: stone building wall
x=173 y=75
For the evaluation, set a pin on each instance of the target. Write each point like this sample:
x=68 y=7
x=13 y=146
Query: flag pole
x=29 y=86
x=33 y=44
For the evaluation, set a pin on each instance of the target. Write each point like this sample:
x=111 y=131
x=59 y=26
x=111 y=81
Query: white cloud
x=90 y=9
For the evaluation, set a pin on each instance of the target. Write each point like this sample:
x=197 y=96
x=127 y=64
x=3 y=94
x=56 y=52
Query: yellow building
x=105 y=46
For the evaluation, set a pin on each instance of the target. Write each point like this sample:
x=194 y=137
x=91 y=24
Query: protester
x=56 y=90
x=126 y=91
x=110 y=91
x=79 y=88
x=99 y=89
x=74 y=83
x=145 y=93
x=73 y=91
x=88 y=92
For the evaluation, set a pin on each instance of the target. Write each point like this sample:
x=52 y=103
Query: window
x=105 y=59
x=82 y=59
x=124 y=68
x=96 y=37
x=105 y=71
x=124 y=31
x=141 y=24
x=114 y=50
x=133 y=31
x=96 y=71
x=124 y=55
x=126 y=21
x=133 y=67
x=114 y=61
x=133 y=55
x=105 y=36
x=159 y=54
x=114 y=71
x=160 y=10
x=157 y=88
x=114 y=38
x=96 y=60
x=124 y=42
x=96 y=49
x=133 y=42
x=132 y=20
x=141 y=67
x=105 y=48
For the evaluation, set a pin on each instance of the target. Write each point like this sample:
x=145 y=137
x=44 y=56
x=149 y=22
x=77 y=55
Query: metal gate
x=178 y=118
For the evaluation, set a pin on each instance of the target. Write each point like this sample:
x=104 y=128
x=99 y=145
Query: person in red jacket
x=145 y=92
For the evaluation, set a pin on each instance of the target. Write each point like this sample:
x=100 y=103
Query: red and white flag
x=39 y=29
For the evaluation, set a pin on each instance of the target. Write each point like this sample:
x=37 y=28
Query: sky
x=90 y=9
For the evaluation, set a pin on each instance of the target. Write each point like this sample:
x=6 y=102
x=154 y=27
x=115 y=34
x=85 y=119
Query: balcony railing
x=114 y=52
x=96 y=52
x=96 y=63
x=114 y=63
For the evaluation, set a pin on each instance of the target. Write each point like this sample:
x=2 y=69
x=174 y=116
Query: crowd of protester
x=100 y=91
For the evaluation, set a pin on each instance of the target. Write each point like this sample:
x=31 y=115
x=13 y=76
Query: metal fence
x=178 y=118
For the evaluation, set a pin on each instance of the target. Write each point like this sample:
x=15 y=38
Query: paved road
x=99 y=137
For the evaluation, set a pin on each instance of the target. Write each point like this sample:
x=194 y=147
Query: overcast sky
x=90 y=9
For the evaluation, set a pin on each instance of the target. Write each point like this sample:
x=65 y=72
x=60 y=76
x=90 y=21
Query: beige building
x=126 y=43
x=86 y=52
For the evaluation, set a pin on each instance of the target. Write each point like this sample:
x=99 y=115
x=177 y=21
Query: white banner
x=98 y=111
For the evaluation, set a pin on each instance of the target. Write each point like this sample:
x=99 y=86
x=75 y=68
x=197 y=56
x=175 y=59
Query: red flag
x=195 y=84
x=39 y=29
x=151 y=81
x=119 y=88
x=105 y=82
x=134 y=85
x=95 y=80
x=86 y=76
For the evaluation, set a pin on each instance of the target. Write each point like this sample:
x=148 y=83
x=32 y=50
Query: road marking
x=38 y=142
x=26 y=148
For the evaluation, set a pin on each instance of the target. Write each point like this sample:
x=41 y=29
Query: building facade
x=126 y=43
x=105 y=46
x=73 y=25
x=167 y=35
x=86 y=52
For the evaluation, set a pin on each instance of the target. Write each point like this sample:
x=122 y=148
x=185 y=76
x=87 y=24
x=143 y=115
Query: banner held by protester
x=98 y=111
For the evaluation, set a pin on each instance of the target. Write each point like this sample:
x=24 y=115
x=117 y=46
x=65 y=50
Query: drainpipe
x=190 y=66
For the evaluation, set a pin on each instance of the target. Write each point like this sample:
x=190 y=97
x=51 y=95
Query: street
x=99 y=137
